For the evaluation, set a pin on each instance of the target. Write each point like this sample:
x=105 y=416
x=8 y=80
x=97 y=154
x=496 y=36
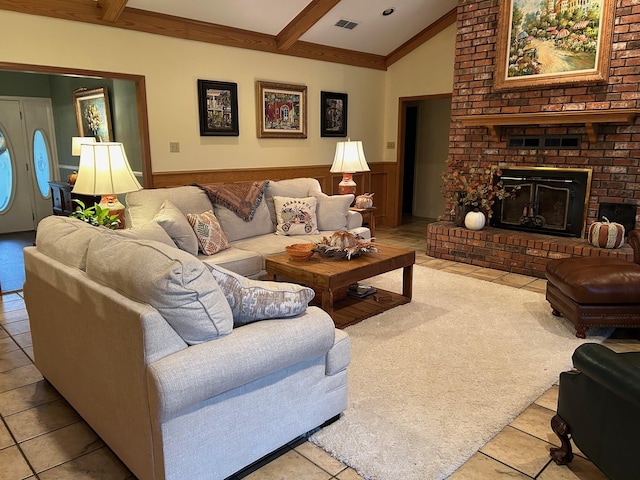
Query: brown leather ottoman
x=594 y=292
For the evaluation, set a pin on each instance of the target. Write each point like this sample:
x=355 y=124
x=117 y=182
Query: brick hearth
x=509 y=250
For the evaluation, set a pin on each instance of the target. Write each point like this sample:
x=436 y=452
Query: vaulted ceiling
x=377 y=34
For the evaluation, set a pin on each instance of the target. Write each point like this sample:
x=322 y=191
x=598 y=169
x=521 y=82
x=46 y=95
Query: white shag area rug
x=430 y=382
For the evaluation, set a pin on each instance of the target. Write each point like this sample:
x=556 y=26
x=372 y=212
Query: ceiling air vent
x=348 y=24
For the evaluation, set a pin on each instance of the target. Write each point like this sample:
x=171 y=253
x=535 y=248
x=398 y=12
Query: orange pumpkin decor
x=606 y=234
x=72 y=177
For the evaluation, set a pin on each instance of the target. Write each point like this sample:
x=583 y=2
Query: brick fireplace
x=484 y=118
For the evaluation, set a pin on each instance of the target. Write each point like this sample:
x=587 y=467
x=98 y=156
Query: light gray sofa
x=139 y=338
x=250 y=242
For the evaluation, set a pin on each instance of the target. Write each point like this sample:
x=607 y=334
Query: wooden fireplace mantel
x=589 y=118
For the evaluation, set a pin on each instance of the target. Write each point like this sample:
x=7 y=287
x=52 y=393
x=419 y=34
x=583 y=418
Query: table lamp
x=104 y=170
x=349 y=159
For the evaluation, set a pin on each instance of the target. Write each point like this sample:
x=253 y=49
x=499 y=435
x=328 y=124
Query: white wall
x=172 y=67
x=428 y=70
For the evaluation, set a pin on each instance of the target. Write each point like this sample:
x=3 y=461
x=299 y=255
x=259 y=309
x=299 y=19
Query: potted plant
x=95 y=215
x=472 y=188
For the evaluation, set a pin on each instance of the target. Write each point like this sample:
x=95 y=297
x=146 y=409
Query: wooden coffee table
x=330 y=277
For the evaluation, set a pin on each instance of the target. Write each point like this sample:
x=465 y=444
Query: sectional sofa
x=186 y=369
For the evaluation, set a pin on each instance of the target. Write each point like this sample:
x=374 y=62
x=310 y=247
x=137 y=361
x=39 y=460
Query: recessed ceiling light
x=388 y=11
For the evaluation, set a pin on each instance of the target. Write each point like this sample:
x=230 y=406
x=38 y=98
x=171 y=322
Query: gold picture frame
x=539 y=46
x=93 y=113
x=281 y=110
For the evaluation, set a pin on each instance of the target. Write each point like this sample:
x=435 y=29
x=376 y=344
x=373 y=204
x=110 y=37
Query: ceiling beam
x=431 y=31
x=306 y=19
x=111 y=9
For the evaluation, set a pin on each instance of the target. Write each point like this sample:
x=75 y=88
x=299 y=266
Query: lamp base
x=114 y=206
x=347 y=185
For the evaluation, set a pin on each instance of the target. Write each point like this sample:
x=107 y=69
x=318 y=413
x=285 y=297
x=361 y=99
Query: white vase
x=474 y=220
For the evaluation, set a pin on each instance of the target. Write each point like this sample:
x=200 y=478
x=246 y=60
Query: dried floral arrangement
x=343 y=244
x=474 y=187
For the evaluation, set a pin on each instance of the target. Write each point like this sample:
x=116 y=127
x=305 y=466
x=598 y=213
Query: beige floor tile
x=439 y=264
x=519 y=450
x=514 y=280
x=16 y=328
x=27 y=397
x=13 y=316
x=487 y=274
x=349 y=474
x=8 y=345
x=10 y=305
x=539 y=285
x=19 y=377
x=320 y=457
x=13 y=465
x=14 y=359
x=52 y=449
x=549 y=399
x=462 y=268
x=289 y=466
x=578 y=469
x=5 y=437
x=23 y=339
x=536 y=421
x=42 y=419
x=3 y=333
x=29 y=352
x=481 y=467
x=100 y=464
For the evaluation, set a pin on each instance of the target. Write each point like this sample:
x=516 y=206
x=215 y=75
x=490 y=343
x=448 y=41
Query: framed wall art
x=93 y=114
x=218 y=108
x=542 y=43
x=333 y=114
x=281 y=110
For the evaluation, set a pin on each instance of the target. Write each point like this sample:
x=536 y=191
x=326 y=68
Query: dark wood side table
x=372 y=217
x=62 y=198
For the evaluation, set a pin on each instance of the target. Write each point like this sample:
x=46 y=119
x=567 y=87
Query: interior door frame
x=403 y=103
x=141 y=102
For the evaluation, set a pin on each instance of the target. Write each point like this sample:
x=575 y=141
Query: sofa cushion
x=236 y=228
x=177 y=226
x=174 y=282
x=332 y=210
x=143 y=205
x=253 y=300
x=296 y=216
x=66 y=239
x=294 y=187
x=207 y=229
x=149 y=231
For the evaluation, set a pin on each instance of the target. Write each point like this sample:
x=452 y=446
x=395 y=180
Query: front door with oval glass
x=26 y=157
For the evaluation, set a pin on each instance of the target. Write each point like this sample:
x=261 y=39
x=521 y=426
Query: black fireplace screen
x=549 y=200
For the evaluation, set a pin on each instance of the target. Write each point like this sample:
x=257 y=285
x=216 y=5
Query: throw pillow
x=332 y=210
x=296 y=216
x=253 y=300
x=210 y=235
x=177 y=226
x=174 y=282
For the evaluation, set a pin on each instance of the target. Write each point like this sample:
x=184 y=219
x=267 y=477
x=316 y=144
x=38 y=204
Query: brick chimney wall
x=614 y=157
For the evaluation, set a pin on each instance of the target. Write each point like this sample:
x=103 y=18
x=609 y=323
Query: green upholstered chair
x=599 y=409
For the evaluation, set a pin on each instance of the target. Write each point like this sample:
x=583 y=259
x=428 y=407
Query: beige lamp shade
x=349 y=158
x=76 y=143
x=104 y=170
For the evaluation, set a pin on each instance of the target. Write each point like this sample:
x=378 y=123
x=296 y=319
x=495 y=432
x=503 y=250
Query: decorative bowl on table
x=300 y=251
x=343 y=244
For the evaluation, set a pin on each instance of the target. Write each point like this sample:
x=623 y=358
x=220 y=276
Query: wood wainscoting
x=382 y=180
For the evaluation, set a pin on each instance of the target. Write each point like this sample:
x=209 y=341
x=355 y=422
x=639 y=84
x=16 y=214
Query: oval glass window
x=41 y=162
x=6 y=173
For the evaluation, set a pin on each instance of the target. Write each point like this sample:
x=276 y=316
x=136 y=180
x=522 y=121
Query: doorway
x=27 y=161
x=423 y=137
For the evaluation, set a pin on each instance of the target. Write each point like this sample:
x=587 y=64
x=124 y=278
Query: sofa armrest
x=611 y=370
x=185 y=379
x=354 y=220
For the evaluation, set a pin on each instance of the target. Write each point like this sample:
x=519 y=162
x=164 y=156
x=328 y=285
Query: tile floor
x=42 y=437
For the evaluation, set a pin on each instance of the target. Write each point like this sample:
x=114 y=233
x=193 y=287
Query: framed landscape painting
x=218 y=108
x=93 y=114
x=333 y=114
x=547 y=43
x=281 y=110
